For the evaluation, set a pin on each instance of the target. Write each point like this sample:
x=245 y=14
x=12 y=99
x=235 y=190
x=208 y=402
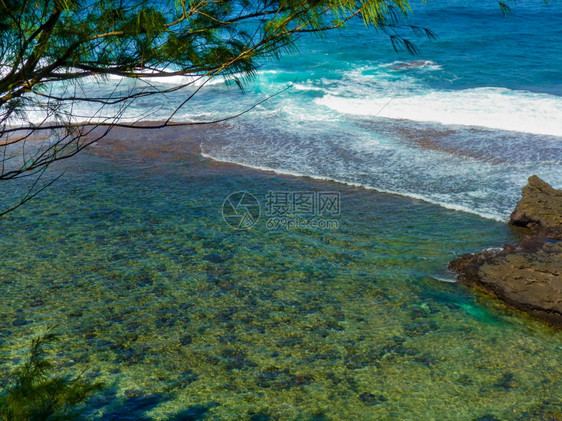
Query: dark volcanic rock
x=528 y=275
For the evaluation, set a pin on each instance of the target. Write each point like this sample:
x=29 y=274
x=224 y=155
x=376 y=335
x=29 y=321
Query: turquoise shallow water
x=182 y=316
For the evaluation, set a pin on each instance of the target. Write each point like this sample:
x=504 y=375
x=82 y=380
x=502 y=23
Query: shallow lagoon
x=186 y=318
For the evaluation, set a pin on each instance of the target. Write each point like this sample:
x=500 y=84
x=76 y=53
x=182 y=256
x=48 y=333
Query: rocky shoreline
x=527 y=275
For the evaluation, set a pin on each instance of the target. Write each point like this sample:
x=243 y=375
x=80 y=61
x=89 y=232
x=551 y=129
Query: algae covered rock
x=527 y=276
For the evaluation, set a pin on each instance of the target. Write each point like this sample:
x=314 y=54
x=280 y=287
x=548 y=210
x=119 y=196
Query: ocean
x=134 y=256
x=463 y=124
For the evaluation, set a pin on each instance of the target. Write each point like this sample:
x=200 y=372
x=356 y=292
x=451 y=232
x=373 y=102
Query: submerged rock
x=528 y=275
x=371 y=399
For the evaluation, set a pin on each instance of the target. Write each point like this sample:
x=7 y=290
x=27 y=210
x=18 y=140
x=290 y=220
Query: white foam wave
x=495 y=108
x=177 y=80
x=185 y=80
x=449 y=280
x=303 y=87
x=413 y=65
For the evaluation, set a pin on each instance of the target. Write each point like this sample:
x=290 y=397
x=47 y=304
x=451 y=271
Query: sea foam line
x=416 y=196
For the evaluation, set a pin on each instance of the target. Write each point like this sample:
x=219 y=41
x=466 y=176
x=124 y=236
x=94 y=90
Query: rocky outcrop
x=540 y=209
x=528 y=275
